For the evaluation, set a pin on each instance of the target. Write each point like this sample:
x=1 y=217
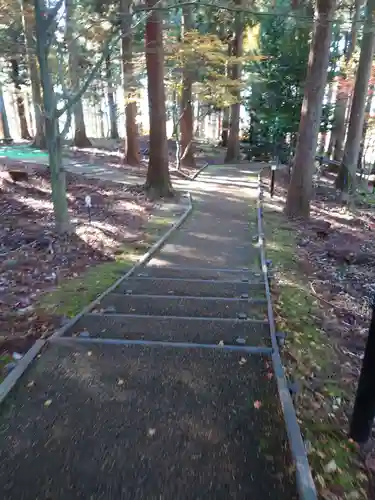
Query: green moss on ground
x=72 y=295
x=310 y=350
x=5 y=358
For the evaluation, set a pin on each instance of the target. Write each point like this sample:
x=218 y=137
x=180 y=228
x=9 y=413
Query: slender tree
x=20 y=100
x=80 y=137
x=131 y=156
x=44 y=21
x=347 y=174
x=4 y=120
x=28 y=21
x=233 y=150
x=344 y=89
x=300 y=187
x=187 y=117
x=158 y=182
x=113 y=131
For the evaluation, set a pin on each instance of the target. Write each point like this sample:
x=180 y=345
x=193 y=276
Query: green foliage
x=277 y=92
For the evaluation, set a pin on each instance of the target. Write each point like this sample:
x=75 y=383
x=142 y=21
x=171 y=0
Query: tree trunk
x=131 y=156
x=186 y=104
x=158 y=181
x=29 y=26
x=58 y=178
x=80 y=137
x=225 y=128
x=233 y=151
x=343 y=92
x=300 y=187
x=20 y=102
x=370 y=97
x=346 y=178
x=4 y=120
x=113 y=133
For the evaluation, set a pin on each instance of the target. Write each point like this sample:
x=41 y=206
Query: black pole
x=364 y=405
x=272 y=189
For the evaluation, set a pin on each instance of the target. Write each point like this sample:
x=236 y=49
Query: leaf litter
x=331 y=269
x=34 y=259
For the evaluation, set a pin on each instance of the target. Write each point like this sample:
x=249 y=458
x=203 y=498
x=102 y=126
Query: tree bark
x=346 y=178
x=58 y=177
x=20 y=102
x=186 y=105
x=131 y=156
x=233 y=150
x=28 y=26
x=80 y=137
x=343 y=92
x=158 y=181
x=4 y=120
x=113 y=133
x=370 y=97
x=300 y=187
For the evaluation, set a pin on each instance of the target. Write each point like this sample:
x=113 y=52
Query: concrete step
x=156 y=305
x=199 y=273
x=145 y=422
x=191 y=287
x=172 y=328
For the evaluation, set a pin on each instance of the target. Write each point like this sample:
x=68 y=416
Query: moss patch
x=72 y=295
x=309 y=352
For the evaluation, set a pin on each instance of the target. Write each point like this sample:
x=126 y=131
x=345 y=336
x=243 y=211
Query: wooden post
x=364 y=406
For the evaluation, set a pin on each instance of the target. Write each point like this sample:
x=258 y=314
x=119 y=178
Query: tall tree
x=344 y=89
x=80 y=137
x=28 y=21
x=4 y=119
x=44 y=24
x=300 y=187
x=131 y=141
x=113 y=131
x=187 y=117
x=158 y=181
x=20 y=100
x=347 y=173
x=233 y=150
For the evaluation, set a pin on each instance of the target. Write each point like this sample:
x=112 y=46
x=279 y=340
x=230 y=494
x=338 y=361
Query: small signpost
x=364 y=405
x=273 y=170
x=88 y=206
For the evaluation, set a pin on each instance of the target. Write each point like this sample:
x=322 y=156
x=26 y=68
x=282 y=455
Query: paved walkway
x=167 y=391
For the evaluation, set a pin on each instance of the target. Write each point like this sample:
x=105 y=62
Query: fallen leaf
x=330 y=467
x=48 y=402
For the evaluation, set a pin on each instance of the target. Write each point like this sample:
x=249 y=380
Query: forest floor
x=34 y=260
x=324 y=276
x=104 y=159
x=44 y=278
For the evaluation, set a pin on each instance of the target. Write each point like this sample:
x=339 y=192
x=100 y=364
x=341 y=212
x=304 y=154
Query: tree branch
x=70 y=102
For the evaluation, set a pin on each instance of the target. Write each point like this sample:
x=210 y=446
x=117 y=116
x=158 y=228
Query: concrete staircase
x=195 y=305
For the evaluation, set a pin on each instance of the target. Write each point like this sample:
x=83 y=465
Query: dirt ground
x=335 y=253
x=109 y=153
x=33 y=258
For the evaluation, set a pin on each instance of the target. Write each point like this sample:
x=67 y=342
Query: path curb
x=305 y=483
x=11 y=380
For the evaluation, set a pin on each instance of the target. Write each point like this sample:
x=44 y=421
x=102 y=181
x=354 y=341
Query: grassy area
x=309 y=351
x=72 y=295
